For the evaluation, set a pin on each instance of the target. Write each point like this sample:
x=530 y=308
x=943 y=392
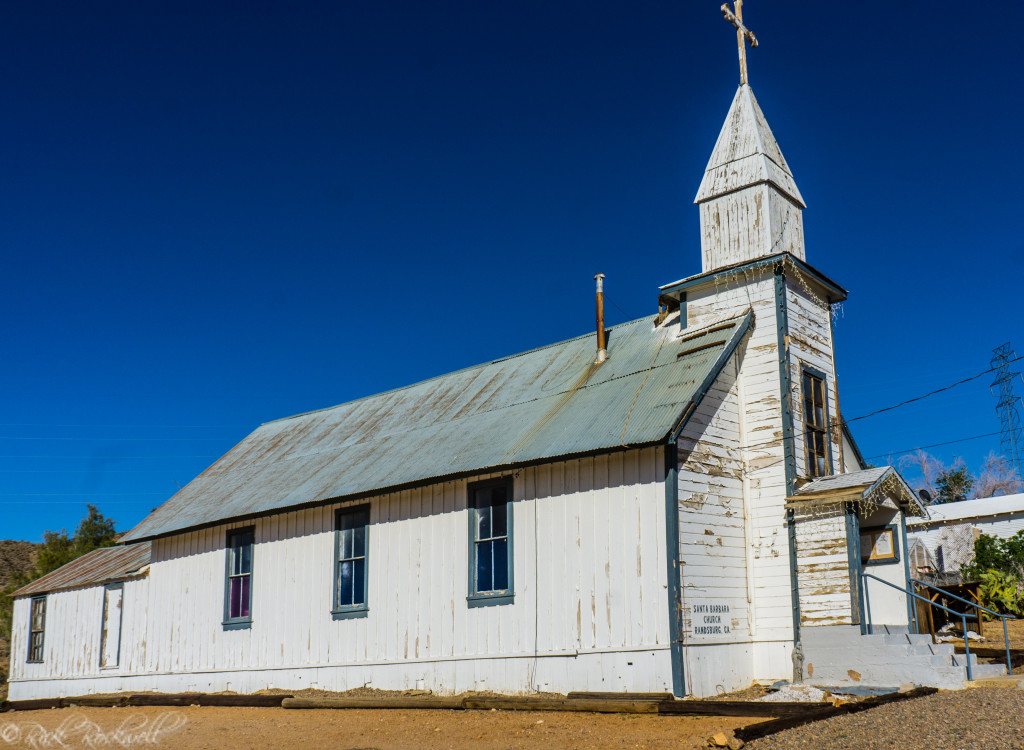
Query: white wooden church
x=683 y=513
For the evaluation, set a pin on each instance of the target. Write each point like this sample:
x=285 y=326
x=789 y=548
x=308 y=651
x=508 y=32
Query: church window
x=36 y=628
x=351 y=568
x=238 y=581
x=490 y=541
x=816 y=443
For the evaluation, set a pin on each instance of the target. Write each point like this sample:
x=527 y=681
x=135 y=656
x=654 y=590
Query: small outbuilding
x=942 y=543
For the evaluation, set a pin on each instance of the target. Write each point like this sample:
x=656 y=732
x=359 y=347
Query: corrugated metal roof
x=978 y=508
x=542 y=404
x=98 y=566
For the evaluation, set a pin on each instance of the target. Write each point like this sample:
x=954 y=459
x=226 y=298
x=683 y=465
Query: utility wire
x=626 y=314
x=96 y=456
x=65 y=502
x=78 y=494
x=107 y=439
x=121 y=426
x=890 y=408
x=931 y=393
x=935 y=445
x=76 y=471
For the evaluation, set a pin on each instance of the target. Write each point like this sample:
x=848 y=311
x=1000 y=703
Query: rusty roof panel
x=94 y=568
x=542 y=404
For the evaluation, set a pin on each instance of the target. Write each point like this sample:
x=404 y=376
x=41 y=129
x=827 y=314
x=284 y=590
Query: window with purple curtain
x=238 y=586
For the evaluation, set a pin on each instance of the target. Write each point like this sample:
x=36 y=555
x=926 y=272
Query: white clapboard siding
x=712 y=529
x=762 y=443
x=732 y=484
x=71 y=643
x=747 y=224
x=590 y=610
x=810 y=344
x=823 y=570
x=1001 y=517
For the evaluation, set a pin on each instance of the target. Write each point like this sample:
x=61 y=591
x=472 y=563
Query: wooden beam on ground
x=592 y=705
x=155 y=699
x=95 y=701
x=254 y=701
x=620 y=696
x=765 y=728
x=164 y=699
x=403 y=701
x=738 y=708
x=33 y=704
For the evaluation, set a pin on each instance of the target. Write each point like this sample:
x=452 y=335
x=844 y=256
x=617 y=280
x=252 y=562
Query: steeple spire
x=750 y=206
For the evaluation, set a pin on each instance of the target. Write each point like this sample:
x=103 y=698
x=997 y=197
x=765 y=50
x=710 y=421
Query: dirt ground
x=198 y=728
x=994 y=633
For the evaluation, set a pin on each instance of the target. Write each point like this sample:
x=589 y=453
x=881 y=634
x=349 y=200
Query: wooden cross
x=743 y=35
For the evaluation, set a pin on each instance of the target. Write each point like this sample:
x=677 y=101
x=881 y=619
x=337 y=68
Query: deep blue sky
x=217 y=214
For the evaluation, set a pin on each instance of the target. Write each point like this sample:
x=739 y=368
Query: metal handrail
x=974 y=605
x=867 y=613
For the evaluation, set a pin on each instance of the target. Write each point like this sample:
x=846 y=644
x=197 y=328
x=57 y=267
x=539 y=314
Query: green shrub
x=1003 y=592
x=992 y=553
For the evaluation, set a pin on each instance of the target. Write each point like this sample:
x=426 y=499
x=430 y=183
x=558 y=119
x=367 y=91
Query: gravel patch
x=961 y=720
x=795 y=694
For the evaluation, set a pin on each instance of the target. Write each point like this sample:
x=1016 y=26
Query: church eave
x=670 y=293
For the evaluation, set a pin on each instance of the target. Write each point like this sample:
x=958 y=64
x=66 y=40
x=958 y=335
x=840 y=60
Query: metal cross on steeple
x=743 y=35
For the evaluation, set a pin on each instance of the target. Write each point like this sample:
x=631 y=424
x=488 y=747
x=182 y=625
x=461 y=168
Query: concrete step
x=1005 y=681
x=839 y=655
x=989 y=671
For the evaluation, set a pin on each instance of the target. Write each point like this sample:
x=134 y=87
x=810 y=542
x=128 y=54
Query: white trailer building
x=943 y=542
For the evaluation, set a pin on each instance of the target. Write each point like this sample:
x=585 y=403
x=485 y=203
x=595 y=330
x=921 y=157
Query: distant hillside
x=14 y=558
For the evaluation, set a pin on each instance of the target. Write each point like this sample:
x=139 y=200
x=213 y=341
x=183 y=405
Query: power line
x=887 y=408
x=64 y=502
x=626 y=314
x=123 y=426
x=931 y=393
x=934 y=445
x=98 y=456
x=108 y=439
x=77 y=471
x=79 y=494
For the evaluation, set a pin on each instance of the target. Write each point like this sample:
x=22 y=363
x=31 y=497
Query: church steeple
x=750 y=206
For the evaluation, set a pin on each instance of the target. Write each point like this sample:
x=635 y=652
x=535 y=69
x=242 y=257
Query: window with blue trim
x=36 y=628
x=816 y=439
x=351 y=567
x=238 y=579
x=490 y=537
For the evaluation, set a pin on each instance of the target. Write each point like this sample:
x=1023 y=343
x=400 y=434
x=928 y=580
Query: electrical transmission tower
x=1012 y=442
